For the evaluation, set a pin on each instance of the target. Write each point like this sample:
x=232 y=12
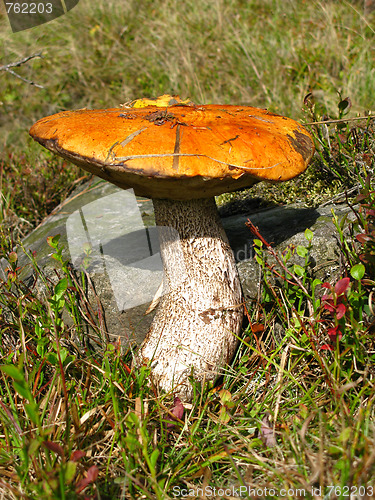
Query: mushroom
x=182 y=156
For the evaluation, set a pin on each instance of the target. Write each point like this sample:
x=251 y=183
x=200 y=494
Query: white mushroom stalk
x=199 y=317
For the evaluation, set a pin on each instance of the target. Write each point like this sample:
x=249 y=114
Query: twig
x=19 y=63
x=340 y=195
x=342 y=120
x=7 y=67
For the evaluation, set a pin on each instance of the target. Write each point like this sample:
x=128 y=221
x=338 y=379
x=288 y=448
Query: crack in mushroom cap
x=181 y=151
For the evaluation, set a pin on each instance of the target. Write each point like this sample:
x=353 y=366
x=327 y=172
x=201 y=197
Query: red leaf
x=56 y=448
x=327 y=297
x=363 y=238
x=178 y=409
x=342 y=285
x=177 y=412
x=266 y=432
x=333 y=333
x=77 y=455
x=257 y=327
x=92 y=473
x=329 y=305
x=340 y=311
x=91 y=476
x=361 y=197
x=326 y=285
x=326 y=347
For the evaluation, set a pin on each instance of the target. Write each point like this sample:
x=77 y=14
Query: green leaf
x=257 y=243
x=302 y=251
x=154 y=457
x=309 y=234
x=358 y=271
x=287 y=255
x=224 y=416
x=31 y=410
x=53 y=241
x=225 y=396
x=298 y=270
x=267 y=297
x=40 y=349
x=38 y=329
x=69 y=359
x=12 y=257
x=335 y=450
x=13 y=372
x=57 y=305
x=345 y=435
x=33 y=447
x=259 y=260
x=60 y=288
x=70 y=471
x=51 y=358
x=162 y=482
x=132 y=418
x=23 y=390
x=132 y=443
x=316 y=282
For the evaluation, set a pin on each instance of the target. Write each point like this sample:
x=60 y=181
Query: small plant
x=364 y=226
x=292 y=278
x=336 y=304
x=344 y=147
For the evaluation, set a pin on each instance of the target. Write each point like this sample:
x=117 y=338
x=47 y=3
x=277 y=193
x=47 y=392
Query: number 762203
x=29 y=8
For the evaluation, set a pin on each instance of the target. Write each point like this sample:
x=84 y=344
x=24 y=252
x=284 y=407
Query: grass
x=292 y=416
x=267 y=54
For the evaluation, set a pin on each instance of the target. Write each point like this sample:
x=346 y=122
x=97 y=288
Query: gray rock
x=281 y=227
x=121 y=256
x=110 y=233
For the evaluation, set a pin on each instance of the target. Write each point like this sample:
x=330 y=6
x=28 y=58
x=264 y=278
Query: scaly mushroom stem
x=199 y=317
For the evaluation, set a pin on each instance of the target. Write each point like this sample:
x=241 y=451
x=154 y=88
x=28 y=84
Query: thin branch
x=19 y=63
x=7 y=67
x=343 y=120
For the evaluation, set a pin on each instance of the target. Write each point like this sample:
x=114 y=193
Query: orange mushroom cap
x=181 y=151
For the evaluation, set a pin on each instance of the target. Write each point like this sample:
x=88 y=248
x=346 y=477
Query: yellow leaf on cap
x=161 y=102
